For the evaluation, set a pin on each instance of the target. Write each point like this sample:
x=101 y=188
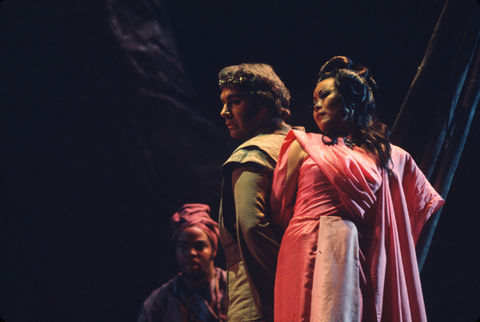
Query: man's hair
x=260 y=84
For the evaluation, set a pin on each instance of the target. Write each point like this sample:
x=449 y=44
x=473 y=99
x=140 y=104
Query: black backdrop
x=110 y=122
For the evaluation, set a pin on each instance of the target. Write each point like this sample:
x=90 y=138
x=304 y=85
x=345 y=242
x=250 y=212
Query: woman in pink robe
x=352 y=206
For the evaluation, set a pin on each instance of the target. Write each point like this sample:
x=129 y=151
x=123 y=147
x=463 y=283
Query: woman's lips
x=192 y=264
x=320 y=116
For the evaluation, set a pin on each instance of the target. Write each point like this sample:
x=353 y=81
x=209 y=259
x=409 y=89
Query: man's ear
x=263 y=112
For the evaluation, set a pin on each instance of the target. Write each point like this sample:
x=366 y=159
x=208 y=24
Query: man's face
x=195 y=254
x=238 y=114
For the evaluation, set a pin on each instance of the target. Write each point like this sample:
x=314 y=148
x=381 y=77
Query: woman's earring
x=348 y=112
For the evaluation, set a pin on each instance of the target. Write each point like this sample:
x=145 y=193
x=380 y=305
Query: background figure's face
x=195 y=254
x=328 y=109
x=237 y=111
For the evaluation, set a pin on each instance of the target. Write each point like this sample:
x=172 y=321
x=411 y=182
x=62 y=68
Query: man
x=255 y=108
x=198 y=292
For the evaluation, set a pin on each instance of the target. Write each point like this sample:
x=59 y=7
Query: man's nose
x=225 y=113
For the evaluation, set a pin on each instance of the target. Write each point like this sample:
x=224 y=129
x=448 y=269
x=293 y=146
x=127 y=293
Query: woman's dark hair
x=260 y=84
x=355 y=84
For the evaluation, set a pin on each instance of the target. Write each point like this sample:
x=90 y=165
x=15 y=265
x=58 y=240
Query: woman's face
x=194 y=254
x=328 y=109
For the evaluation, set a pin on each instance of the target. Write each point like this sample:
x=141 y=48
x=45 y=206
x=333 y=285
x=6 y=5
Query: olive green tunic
x=251 y=243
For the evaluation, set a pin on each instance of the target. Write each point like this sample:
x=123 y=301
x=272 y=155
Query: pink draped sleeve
x=414 y=191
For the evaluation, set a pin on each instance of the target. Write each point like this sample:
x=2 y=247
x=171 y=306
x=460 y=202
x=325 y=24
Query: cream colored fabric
x=336 y=273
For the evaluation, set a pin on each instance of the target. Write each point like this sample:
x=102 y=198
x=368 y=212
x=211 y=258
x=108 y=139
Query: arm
x=285 y=184
x=296 y=156
x=421 y=197
x=251 y=189
x=257 y=245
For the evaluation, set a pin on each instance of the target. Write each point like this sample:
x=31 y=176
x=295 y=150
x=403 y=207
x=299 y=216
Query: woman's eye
x=181 y=248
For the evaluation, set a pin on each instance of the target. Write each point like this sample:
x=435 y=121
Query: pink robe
x=348 y=252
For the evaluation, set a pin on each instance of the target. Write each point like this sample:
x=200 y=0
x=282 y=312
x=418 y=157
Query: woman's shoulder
x=398 y=150
x=304 y=137
x=297 y=149
x=399 y=154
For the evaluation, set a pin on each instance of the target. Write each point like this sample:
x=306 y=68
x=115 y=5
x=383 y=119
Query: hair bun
x=341 y=62
x=336 y=63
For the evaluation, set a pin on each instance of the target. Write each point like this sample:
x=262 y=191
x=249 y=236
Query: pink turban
x=197 y=215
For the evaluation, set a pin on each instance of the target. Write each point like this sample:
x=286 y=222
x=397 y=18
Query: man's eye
x=236 y=102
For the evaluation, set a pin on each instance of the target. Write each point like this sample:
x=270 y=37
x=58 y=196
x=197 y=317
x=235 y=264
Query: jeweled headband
x=234 y=80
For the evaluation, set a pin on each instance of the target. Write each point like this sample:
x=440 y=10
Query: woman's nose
x=192 y=252
x=317 y=106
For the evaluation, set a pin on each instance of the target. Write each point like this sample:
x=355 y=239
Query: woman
x=354 y=205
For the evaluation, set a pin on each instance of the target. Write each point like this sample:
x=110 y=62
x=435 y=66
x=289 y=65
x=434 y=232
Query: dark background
x=110 y=122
